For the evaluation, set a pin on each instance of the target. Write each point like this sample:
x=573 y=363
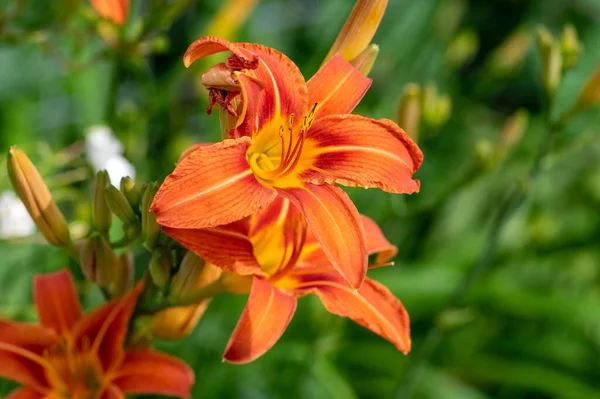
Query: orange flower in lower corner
x=70 y=355
x=275 y=254
x=293 y=139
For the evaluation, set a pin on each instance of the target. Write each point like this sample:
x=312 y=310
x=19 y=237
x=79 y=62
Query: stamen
x=384 y=264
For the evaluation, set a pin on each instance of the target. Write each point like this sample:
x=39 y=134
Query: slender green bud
x=551 y=56
x=118 y=204
x=436 y=107
x=188 y=274
x=98 y=261
x=124 y=274
x=571 y=46
x=509 y=56
x=463 y=48
x=30 y=187
x=409 y=110
x=160 y=266
x=101 y=215
x=150 y=229
x=130 y=191
x=366 y=59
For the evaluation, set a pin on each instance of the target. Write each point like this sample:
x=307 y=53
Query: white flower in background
x=14 y=218
x=104 y=151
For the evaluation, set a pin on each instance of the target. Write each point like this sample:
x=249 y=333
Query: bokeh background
x=504 y=295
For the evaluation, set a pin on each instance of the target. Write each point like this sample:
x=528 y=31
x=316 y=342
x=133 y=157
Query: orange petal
x=336 y=223
x=150 y=372
x=285 y=92
x=56 y=301
x=265 y=318
x=115 y=10
x=225 y=246
x=358 y=151
x=376 y=241
x=31 y=336
x=20 y=365
x=212 y=186
x=24 y=393
x=373 y=306
x=106 y=328
x=112 y=392
x=337 y=87
x=209 y=45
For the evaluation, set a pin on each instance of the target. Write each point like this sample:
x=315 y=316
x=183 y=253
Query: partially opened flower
x=275 y=254
x=293 y=140
x=70 y=355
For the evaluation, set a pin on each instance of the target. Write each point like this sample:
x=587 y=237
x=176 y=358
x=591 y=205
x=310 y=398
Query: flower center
x=276 y=151
x=75 y=373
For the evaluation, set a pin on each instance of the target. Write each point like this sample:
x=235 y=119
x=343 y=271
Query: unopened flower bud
x=98 y=261
x=359 y=29
x=36 y=197
x=124 y=274
x=513 y=129
x=409 y=110
x=118 y=204
x=130 y=191
x=463 y=48
x=551 y=56
x=150 y=228
x=571 y=46
x=101 y=215
x=366 y=59
x=436 y=108
x=509 y=56
x=178 y=322
x=189 y=272
x=160 y=266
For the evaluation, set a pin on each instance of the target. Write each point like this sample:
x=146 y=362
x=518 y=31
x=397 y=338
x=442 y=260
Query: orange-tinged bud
x=236 y=283
x=150 y=229
x=119 y=205
x=590 y=95
x=509 y=56
x=98 y=261
x=34 y=193
x=124 y=274
x=366 y=59
x=178 y=322
x=359 y=29
x=115 y=10
x=131 y=192
x=409 y=110
x=160 y=266
x=230 y=17
x=101 y=216
x=513 y=129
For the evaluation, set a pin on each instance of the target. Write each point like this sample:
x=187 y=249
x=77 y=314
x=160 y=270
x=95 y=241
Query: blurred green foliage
x=526 y=326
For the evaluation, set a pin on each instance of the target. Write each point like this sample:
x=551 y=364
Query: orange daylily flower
x=115 y=10
x=70 y=355
x=293 y=139
x=282 y=260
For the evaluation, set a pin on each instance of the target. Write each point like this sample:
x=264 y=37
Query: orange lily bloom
x=115 y=10
x=293 y=139
x=275 y=254
x=70 y=355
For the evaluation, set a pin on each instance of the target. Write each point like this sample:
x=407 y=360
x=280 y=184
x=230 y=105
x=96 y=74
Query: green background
x=525 y=324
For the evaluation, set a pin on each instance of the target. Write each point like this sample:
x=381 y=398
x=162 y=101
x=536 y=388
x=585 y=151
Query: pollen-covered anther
x=223 y=99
